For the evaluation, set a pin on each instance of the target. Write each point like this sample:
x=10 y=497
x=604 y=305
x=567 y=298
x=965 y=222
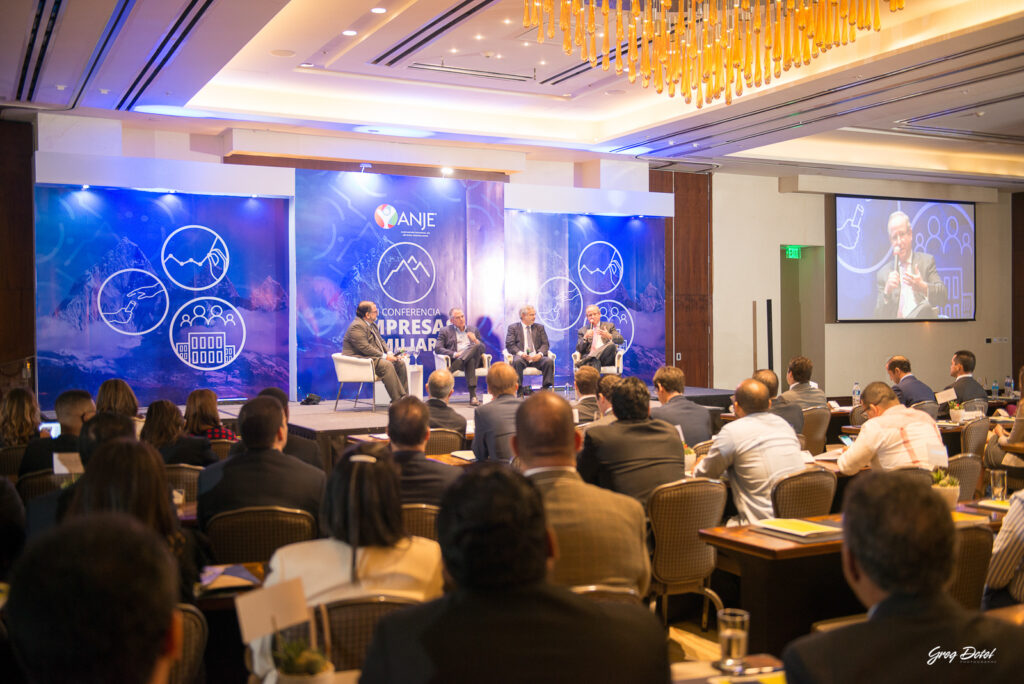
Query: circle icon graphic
x=559 y=303
x=600 y=267
x=132 y=301
x=405 y=272
x=207 y=333
x=618 y=314
x=386 y=216
x=195 y=257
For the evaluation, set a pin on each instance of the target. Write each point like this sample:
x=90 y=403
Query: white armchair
x=507 y=358
x=442 y=361
x=605 y=370
x=353 y=369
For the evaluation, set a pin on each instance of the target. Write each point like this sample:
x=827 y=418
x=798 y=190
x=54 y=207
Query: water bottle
x=995 y=389
x=856 y=394
x=1008 y=386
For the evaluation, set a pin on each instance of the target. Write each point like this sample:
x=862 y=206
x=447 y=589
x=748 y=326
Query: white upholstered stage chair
x=605 y=370
x=354 y=369
x=507 y=358
x=442 y=361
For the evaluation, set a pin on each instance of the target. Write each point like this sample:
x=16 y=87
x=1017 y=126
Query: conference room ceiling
x=936 y=95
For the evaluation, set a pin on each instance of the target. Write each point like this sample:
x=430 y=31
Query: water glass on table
x=733 y=627
x=997 y=478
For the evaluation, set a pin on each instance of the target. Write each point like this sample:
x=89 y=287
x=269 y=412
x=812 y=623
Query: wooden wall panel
x=1017 y=281
x=17 y=245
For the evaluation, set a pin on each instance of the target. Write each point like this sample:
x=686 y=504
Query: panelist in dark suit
x=440 y=386
x=261 y=475
x=909 y=390
x=363 y=339
x=961 y=368
x=461 y=343
x=422 y=480
x=693 y=419
x=897 y=556
x=496 y=550
x=596 y=342
x=909 y=286
x=527 y=342
x=636 y=453
x=495 y=422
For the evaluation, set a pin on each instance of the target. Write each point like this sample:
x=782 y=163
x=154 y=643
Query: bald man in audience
x=693 y=419
x=636 y=453
x=495 y=421
x=585 y=382
x=605 y=387
x=73 y=408
x=791 y=413
x=909 y=390
x=756 y=449
x=601 y=534
x=802 y=391
x=896 y=436
x=423 y=480
x=440 y=386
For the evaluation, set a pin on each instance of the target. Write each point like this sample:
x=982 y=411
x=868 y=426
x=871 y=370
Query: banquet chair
x=681 y=563
x=967 y=469
x=973 y=552
x=188 y=668
x=420 y=520
x=443 y=441
x=973 y=436
x=605 y=370
x=253 y=533
x=608 y=593
x=702 y=448
x=816 y=421
x=929 y=407
x=40 y=482
x=442 y=361
x=221 y=448
x=923 y=475
x=507 y=358
x=354 y=369
x=858 y=415
x=804 y=494
x=345 y=628
x=185 y=477
x=10 y=461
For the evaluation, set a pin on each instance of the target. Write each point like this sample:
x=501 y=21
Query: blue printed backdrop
x=169 y=291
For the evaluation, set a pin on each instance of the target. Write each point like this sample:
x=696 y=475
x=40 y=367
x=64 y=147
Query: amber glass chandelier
x=707 y=50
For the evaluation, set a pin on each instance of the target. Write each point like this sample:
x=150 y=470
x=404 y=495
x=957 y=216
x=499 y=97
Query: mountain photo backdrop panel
x=169 y=291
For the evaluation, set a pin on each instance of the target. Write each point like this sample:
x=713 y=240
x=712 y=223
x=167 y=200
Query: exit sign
x=792 y=251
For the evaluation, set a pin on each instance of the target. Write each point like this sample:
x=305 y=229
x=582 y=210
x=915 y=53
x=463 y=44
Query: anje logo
x=386 y=216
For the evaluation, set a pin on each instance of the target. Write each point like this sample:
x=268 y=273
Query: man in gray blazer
x=596 y=342
x=495 y=422
x=601 y=534
x=909 y=286
x=363 y=339
x=693 y=419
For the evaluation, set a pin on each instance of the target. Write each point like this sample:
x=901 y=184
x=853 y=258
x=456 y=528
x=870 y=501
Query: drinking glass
x=733 y=626
x=997 y=478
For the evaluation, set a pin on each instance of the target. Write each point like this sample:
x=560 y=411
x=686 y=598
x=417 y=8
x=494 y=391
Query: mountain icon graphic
x=411 y=265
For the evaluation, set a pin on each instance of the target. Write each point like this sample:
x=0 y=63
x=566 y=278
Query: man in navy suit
x=961 y=368
x=693 y=419
x=909 y=390
x=495 y=422
x=527 y=342
x=461 y=343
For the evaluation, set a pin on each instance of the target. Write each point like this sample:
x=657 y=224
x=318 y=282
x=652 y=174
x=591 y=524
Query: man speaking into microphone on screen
x=908 y=284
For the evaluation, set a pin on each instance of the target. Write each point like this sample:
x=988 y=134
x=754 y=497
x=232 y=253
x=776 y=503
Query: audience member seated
x=496 y=549
x=12 y=526
x=115 y=396
x=362 y=511
x=693 y=419
x=19 y=418
x=602 y=536
x=202 y=419
x=440 y=386
x=994 y=453
x=261 y=475
x=895 y=436
x=422 y=480
x=605 y=388
x=73 y=408
x=497 y=417
x=909 y=390
x=791 y=413
x=585 y=383
x=165 y=431
x=802 y=391
x=302 y=448
x=897 y=557
x=126 y=476
x=1004 y=585
x=961 y=369
x=756 y=449
x=93 y=602
x=636 y=453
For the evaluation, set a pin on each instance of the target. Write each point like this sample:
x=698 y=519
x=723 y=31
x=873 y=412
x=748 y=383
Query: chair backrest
x=701 y=449
x=185 y=477
x=858 y=416
x=10 y=461
x=607 y=593
x=221 y=447
x=973 y=436
x=187 y=669
x=349 y=627
x=977 y=405
x=922 y=474
x=929 y=407
x=967 y=469
x=420 y=519
x=40 y=482
x=677 y=510
x=973 y=552
x=252 y=534
x=353 y=368
x=443 y=441
x=803 y=494
x=815 y=426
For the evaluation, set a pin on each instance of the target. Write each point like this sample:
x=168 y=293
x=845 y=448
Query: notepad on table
x=799 y=528
x=960 y=518
x=994 y=504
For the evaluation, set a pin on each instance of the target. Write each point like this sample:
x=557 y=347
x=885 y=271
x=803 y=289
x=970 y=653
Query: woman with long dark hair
x=165 y=431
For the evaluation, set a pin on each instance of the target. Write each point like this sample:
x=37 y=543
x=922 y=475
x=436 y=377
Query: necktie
x=529 y=339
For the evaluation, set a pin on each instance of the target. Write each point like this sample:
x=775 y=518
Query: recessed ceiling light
x=526 y=44
x=498 y=55
x=306 y=65
x=566 y=94
x=378 y=10
x=981 y=113
x=478 y=37
x=349 y=32
x=446 y=171
x=542 y=62
x=283 y=53
x=453 y=50
x=506 y=21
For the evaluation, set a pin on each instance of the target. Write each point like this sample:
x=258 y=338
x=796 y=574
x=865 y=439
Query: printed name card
x=263 y=611
x=67 y=463
x=945 y=395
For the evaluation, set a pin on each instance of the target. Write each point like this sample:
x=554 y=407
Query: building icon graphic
x=206 y=349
